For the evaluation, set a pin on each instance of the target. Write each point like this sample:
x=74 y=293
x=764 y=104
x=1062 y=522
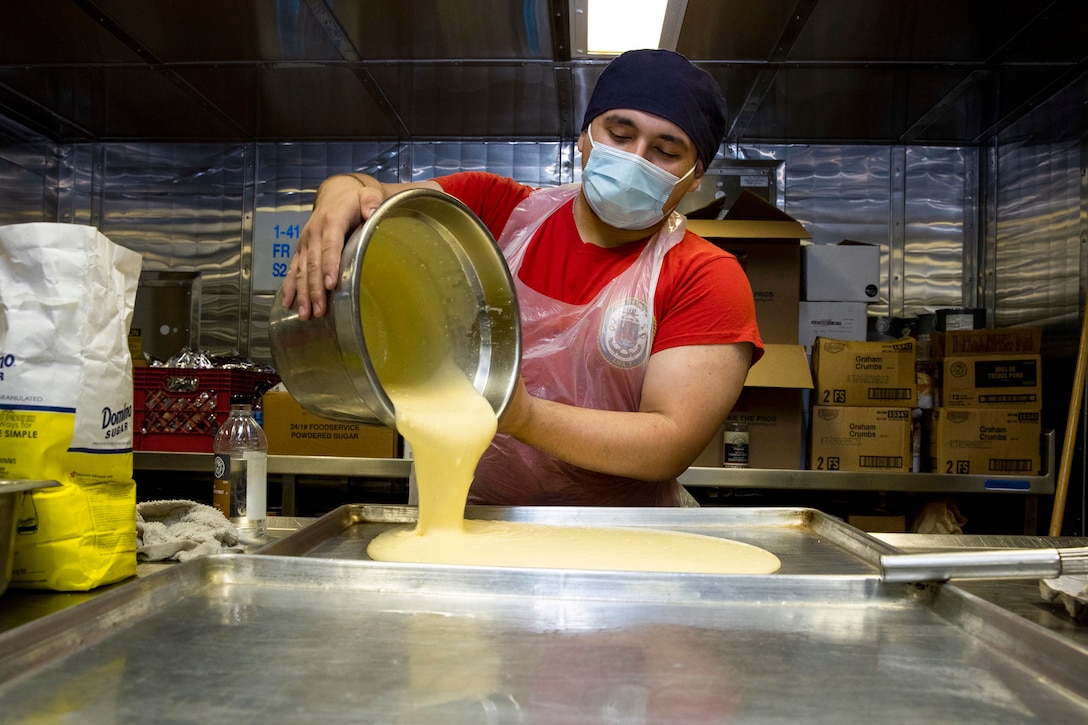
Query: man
x=637 y=334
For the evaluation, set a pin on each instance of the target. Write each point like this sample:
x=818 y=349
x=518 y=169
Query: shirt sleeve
x=706 y=299
x=490 y=196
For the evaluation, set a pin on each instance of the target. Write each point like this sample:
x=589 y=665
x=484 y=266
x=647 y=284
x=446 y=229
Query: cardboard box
x=767 y=242
x=1004 y=341
x=293 y=431
x=837 y=320
x=992 y=381
x=860 y=439
x=772 y=404
x=985 y=441
x=844 y=272
x=877 y=374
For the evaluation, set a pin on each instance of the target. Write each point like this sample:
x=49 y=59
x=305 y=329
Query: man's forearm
x=646 y=446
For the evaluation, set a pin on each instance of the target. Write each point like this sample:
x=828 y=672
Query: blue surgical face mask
x=625 y=190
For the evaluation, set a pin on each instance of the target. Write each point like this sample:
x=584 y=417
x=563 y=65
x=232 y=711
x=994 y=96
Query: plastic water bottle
x=240 y=489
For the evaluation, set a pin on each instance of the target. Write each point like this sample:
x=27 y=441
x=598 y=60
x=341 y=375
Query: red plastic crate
x=181 y=409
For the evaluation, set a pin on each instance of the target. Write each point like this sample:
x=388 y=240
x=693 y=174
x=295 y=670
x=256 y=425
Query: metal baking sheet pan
x=805 y=540
x=319 y=639
x=289 y=639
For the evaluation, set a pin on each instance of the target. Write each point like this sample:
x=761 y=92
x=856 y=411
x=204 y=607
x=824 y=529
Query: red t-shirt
x=703 y=296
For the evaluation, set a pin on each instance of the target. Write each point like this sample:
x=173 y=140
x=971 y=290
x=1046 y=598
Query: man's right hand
x=343 y=202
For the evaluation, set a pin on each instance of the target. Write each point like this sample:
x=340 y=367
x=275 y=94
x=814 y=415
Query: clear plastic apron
x=591 y=356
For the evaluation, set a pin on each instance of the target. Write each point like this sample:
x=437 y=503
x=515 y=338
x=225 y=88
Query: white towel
x=182 y=530
x=1071 y=590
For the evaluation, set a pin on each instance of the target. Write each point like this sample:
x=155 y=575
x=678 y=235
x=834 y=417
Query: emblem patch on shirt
x=624 y=339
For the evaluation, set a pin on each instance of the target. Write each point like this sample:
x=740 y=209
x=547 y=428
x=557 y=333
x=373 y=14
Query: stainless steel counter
x=22 y=606
x=331 y=637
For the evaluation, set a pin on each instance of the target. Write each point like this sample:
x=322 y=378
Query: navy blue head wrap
x=665 y=84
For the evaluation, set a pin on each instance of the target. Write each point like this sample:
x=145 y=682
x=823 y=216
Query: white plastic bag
x=66 y=302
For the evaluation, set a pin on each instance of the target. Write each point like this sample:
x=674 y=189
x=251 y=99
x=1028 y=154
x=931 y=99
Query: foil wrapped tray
x=311 y=630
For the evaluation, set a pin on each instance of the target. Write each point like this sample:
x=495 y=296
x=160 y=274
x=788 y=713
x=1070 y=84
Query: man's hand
x=342 y=204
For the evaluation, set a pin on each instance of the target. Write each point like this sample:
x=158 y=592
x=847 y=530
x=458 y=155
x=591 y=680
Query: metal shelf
x=291 y=465
x=764 y=478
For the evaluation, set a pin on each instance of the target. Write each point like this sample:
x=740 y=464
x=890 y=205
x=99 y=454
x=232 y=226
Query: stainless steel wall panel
x=28 y=175
x=934 y=268
x=1037 y=257
x=260 y=349
x=76 y=173
x=846 y=192
x=288 y=174
x=1039 y=253
x=894 y=272
x=180 y=206
x=536 y=164
x=183 y=206
x=838 y=192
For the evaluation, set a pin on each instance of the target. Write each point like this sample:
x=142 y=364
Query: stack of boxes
x=863 y=406
x=979 y=389
x=989 y=395
x=840 y=281
x=767 y=242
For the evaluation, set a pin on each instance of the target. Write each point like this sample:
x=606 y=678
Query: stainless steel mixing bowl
x=11 y=496
x=326 y=362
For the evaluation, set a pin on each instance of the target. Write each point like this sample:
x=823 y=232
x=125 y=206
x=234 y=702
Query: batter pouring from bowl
x=449 y=426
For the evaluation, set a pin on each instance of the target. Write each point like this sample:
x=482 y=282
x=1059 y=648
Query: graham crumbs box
x=860 y=438
x=877 y=374
x=988 y=441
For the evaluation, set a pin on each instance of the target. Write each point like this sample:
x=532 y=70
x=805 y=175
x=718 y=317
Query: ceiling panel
x=287 y=102
x=124 y=103
x=745 y=32
x=57 y=31
x=225 y=31
x=915 y=31
x=804 y=71
x=428 y=30
x=511 y=100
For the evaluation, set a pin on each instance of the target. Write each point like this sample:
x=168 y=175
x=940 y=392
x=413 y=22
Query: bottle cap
x=240 y=399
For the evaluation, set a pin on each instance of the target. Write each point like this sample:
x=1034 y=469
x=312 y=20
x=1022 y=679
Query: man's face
x=660 y=142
